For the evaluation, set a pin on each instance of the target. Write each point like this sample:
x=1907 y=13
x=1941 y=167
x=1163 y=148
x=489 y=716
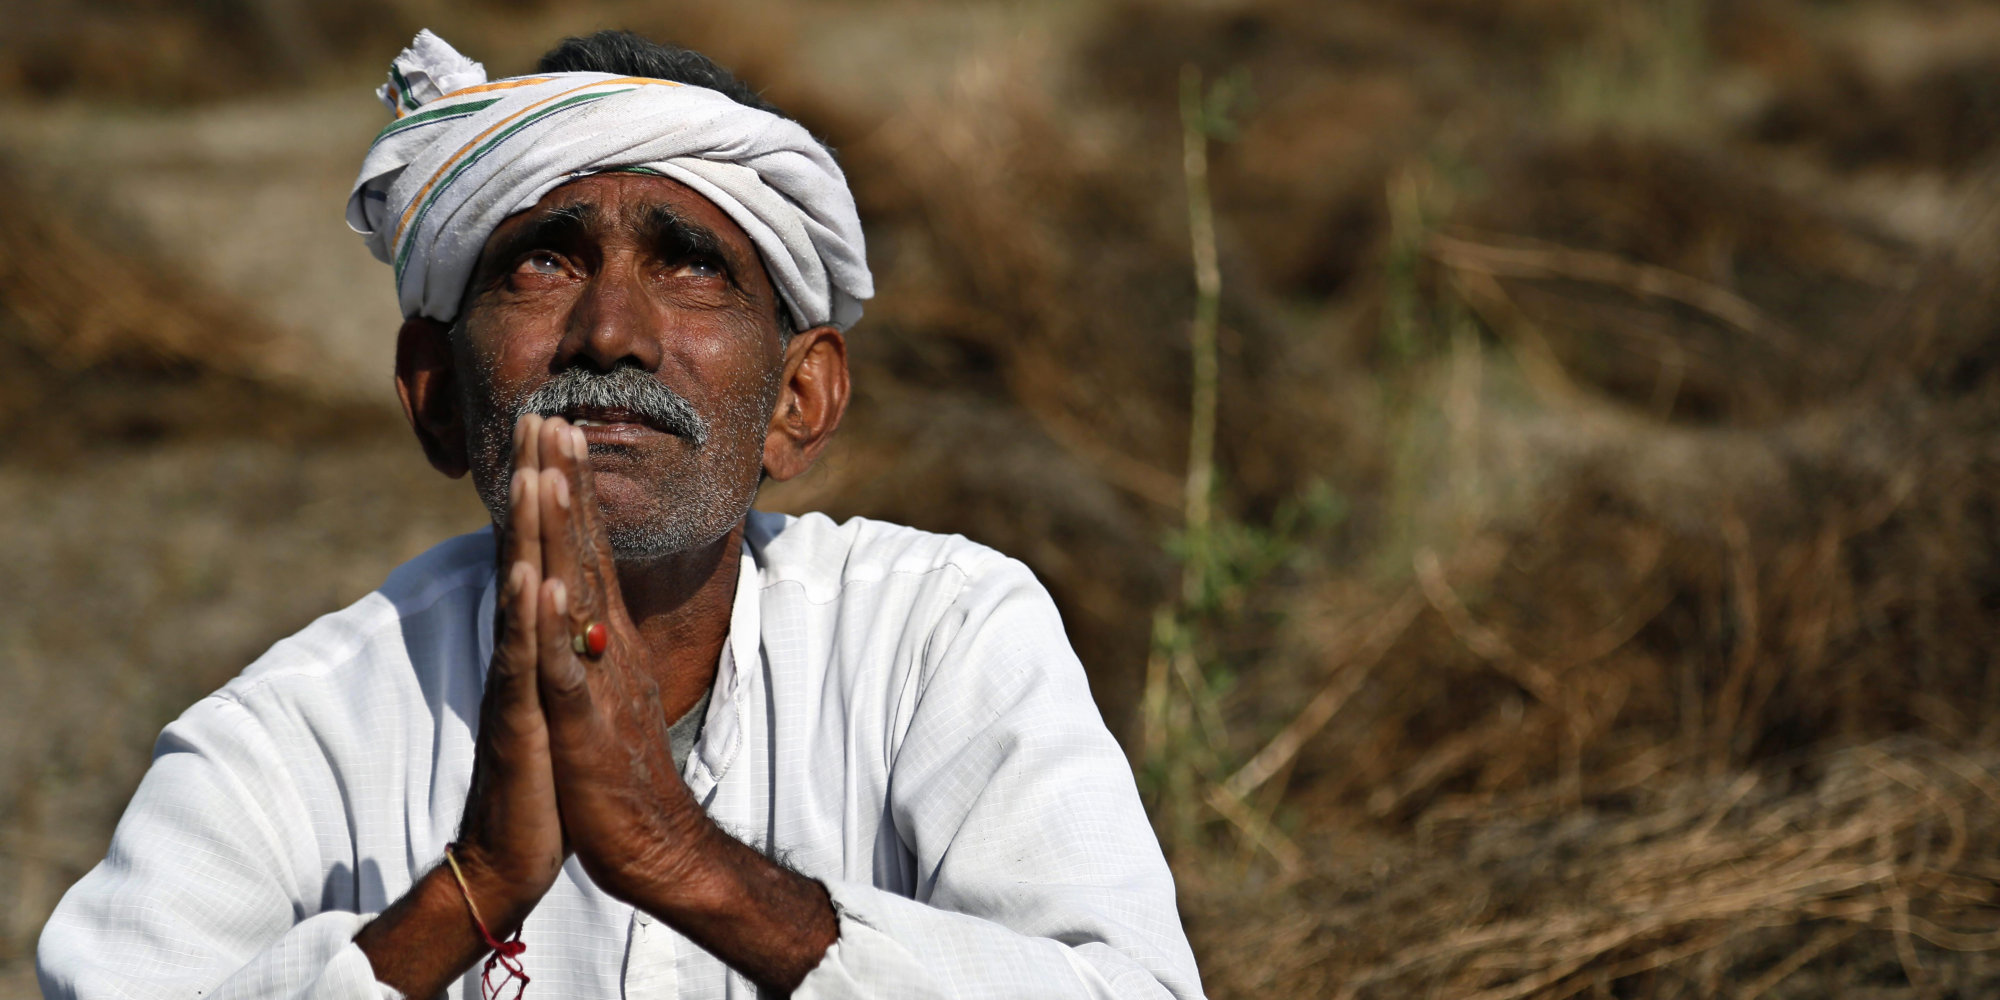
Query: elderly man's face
x=635 y=307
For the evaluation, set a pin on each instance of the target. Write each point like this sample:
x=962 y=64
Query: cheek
x=742 y=369
x=509 y=367
x=732 y=345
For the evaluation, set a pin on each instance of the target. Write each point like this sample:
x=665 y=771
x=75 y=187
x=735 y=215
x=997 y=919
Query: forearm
x=761 y=918
x=427 y=939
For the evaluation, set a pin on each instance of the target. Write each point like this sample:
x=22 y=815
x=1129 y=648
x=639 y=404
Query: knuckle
x=516 y=642
x=514 y=728
x=569 y=684
x=501 y=677
x=516 y=648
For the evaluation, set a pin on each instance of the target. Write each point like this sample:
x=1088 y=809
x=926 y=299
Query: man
x=635 y=739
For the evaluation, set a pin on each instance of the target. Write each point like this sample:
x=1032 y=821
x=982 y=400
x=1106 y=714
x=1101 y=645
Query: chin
x=670 y=526
x=653 y=543
x=631 y=547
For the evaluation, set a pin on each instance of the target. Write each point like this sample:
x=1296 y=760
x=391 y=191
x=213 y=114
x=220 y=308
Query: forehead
x=618 y=201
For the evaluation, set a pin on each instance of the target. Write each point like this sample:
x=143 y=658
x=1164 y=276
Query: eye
x=543 y=262
x=702 y=266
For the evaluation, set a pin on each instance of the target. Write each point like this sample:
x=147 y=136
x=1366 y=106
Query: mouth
x=611 y=426
x=623 y=407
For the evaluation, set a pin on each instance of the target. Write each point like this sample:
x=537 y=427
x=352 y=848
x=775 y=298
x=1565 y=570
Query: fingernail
x=580 y=446
x=516 y=579
x=562 y=492
x=559 y=596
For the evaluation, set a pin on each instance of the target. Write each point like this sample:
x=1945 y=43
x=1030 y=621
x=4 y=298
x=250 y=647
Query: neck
x=681 y=604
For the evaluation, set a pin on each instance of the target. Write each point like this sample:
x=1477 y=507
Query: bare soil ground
x=1604 y=595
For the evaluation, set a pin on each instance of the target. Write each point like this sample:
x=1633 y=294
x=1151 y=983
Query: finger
x=511 y=682
x=594 y=541
x=562 y=557
x=520 y=551
x=528 y=441
x=565 y=690
x=523 y=542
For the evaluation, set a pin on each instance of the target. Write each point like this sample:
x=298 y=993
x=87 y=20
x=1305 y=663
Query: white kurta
x=908 y=725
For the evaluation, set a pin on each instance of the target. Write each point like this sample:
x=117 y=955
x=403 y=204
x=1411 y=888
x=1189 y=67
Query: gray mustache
x=622 y=388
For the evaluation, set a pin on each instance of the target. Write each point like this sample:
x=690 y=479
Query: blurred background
x=1594 y=589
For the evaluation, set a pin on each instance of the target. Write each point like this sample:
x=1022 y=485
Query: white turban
x=464 y=154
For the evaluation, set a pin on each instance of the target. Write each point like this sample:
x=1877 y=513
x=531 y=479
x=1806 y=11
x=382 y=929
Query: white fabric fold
x=464 y=154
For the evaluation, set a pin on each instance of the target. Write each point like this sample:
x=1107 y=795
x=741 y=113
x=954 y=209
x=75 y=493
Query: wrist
x=425 y=939
x=766 y=921
x=486 y=892
x=676 y=874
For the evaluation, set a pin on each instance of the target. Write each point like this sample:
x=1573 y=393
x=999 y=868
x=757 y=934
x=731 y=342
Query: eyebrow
x=676 y=237
x=556 y=227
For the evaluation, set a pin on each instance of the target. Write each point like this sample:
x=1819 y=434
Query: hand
x=510 y=840
x=627 y=813
x=629 y=817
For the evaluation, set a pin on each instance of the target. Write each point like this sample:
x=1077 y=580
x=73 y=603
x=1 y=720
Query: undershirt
x=686 y=729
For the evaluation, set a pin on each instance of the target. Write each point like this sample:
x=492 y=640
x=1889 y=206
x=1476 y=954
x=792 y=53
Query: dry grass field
x=1601 y=591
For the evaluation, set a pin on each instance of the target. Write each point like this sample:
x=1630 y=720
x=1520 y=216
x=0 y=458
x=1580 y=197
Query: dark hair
x=628 y=54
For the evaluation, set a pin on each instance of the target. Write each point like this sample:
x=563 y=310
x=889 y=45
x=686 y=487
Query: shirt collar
x=722 y=730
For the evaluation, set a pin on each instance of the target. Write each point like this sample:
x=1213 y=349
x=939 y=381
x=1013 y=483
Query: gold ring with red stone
x=591 y=641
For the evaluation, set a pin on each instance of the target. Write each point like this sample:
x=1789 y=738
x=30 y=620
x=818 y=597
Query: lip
x=620 y=433
x=611 y=426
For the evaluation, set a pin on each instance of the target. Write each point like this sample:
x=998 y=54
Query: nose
x=613 y=322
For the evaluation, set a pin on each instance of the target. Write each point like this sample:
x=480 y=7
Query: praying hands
x=573 y=758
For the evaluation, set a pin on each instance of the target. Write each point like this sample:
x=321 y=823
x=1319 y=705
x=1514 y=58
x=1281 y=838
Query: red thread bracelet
x=506 y=954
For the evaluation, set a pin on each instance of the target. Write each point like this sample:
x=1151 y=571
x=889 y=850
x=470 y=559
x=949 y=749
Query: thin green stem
x=1207 y=309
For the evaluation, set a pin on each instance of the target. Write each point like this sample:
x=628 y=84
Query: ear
x=810 y=404
x=427 y=383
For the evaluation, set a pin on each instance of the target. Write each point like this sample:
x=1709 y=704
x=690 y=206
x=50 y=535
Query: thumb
x=566 y=697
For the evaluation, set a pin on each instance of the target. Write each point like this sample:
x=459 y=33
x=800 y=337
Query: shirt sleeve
x=1038 y=875
x=207 y=886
